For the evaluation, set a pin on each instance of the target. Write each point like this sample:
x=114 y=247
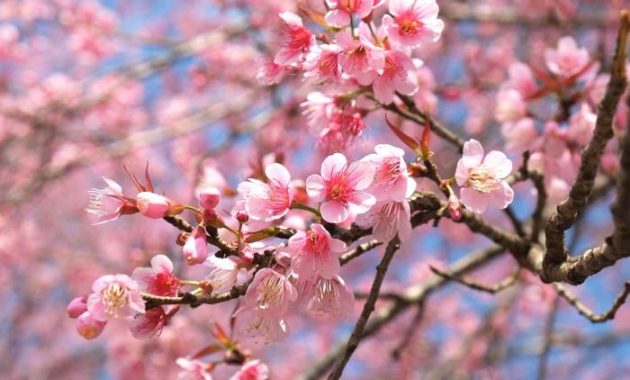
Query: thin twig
x=492 y=288
x=588 y=313
x=548 y=335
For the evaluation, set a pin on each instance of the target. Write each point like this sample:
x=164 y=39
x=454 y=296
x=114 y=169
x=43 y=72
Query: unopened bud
x=209 y=198
x=242 y=217
x=152 y=205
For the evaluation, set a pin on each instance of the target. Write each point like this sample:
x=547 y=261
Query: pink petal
x=498 y=164
x=334 y=212
x=383 y=90
x=337 y=18
x=162 y=264
x=277 y=172
x=361 y=202
x=332 y=165
x=360 y=175
x=473 y=153
x=474 y=200
x=315 y=187
x=502 y=197
x=461 y=173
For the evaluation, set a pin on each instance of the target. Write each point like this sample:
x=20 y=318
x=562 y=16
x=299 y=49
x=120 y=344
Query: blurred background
x=87 y=86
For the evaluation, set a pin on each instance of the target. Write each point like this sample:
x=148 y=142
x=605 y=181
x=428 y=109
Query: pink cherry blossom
x=322 y=62
x=270 y=73
x=582 y=125
x=360 y=57
x=296 y=40
x=336 y=127
x=341 y=11
x=483 y=178
x=330 y=299
x=148 y=325
x=114 y=295
x=193 y=369
x=159 y=279
x=341 y=187
x=510 y=105
x=391 y=179
x=397 y=75
x=252 y=370
x=89 y=327
x=270 y=293
x=413 y=22
x=152 y=205
x=224 y=274
x=521 y=79
x=195 y=249
x=388 y=218
x=520 y=135
x=106 y=204
x=268 y=201
x=567 y=59
x=257 y=329
x=315 y=253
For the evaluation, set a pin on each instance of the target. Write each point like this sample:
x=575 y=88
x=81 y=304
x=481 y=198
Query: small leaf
x=406 y=139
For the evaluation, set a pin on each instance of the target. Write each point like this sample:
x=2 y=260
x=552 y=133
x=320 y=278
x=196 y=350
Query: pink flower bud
x=196 y=248
x=89 y=327
x=152 y=205
x=209 y=198
x=242 y=217
x=77 y=306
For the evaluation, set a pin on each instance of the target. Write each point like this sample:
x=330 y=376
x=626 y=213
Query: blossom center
x=270 y=292
x=114 y=297
x=482 y=180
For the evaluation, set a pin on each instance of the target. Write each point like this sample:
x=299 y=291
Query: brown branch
x=359 y=250
x=357 y=333
x=588 y=313
x=492 y=288
x=555 y=266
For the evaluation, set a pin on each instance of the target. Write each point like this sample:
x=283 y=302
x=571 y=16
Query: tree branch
x=588 y=313
x=357 y=333
x=556 y=255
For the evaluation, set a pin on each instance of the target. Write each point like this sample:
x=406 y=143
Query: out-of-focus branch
x=511 y=16
x=192 y=123
x=357 y=333
x=488 y=288
x=547 y=336
x=556 y=263
x=588 y=313
x=413 y=296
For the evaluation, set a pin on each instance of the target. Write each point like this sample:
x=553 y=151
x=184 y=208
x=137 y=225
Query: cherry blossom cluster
x=363 y=56
x=571 y=77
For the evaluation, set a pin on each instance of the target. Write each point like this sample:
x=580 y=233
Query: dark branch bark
x=556 y=263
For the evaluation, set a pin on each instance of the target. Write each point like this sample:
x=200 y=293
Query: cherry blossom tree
x=314 y=189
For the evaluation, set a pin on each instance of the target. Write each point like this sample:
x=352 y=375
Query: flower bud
x=88 y=327
x=209 y=198
x=152 y=205
x=196 y=248
x=242 y=217
x=77 y=306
